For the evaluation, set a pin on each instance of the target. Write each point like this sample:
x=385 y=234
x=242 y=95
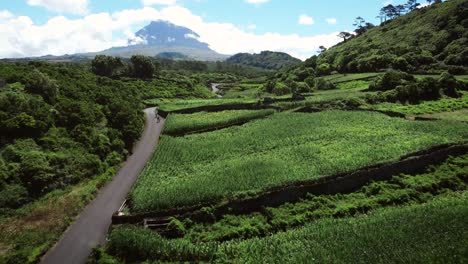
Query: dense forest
x=266 y=60
x=60 y=124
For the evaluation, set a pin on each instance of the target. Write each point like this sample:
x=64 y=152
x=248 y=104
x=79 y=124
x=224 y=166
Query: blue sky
x=321 y=19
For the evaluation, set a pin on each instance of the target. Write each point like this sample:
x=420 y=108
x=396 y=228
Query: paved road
x=90 y=229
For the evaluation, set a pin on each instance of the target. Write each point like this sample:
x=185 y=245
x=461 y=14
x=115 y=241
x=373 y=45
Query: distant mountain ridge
x=269 y=60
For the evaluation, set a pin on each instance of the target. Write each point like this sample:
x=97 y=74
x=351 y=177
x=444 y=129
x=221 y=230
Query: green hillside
x=427 y=39
x=266 y=59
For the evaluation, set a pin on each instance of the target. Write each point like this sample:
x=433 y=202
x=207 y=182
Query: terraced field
x=393 y=234
x=247 y=159
x=180 y=124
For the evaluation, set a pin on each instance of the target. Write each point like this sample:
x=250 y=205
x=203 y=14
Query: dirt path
x=215 y=90
x=91 y=226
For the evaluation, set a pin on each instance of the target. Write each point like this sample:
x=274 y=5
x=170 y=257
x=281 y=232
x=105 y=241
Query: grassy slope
x=266 y=153
x=425 y=29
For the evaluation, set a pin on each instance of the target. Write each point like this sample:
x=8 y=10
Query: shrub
x=322 y=84
x=390 y=80
x=323 y=69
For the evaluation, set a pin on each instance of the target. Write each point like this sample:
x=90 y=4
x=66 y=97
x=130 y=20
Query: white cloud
x=252 y=26
x=331 y=21
x=95 y=32
x=257 y=2
x=62 y=6
x=306 y=20
x=158 y=2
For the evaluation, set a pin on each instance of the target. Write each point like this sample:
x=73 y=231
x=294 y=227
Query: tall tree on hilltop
x=344 y=35
x=412 y=5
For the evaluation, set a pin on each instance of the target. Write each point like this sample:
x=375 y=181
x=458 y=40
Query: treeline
x=266 y=60
x=60 y=124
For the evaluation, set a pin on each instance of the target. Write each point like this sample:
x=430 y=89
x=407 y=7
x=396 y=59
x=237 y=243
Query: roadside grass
x=28 y=232
x=284 y=148
x=434 y=232
x=178 y=124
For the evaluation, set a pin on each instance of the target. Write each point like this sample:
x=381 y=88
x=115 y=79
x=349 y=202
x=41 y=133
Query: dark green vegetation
x=243 y=160
x=59 y=125
x=401 y=87
x=266 y=60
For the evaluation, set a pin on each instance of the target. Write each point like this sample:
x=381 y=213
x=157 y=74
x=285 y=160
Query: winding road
x=91 y=226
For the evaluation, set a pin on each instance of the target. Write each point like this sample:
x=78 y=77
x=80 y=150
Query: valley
x=166 y=151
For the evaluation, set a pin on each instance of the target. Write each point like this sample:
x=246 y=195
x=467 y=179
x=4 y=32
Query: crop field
x=244 y=90
x=327 y=97
x=178 y=124
x=178 y=104
x=430 y=107
x=243 y=160
x=459 y=115
x=389 y=235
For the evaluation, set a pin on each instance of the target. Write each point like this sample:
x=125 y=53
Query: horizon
x=34 y=28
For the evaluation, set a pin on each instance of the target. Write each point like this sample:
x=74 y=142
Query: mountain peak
x=166 y=34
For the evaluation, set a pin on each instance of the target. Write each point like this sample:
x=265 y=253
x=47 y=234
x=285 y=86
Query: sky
x=298 y=27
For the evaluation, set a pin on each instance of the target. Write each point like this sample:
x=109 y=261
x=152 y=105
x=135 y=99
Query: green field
x=429 y=107
x=178 y=104
x=243 y=160
x=179 y=124
x=459 y=115
x=434 y=232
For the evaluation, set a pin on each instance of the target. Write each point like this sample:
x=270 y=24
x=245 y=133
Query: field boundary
x=338 y=183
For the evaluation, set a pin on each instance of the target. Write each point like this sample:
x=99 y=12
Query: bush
x=323 y=69
x=322 y=84
x=390 y=80
x=103 y=65
x=143 y=67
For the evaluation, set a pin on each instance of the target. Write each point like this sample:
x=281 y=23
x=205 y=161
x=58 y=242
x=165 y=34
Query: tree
x=389 y=11
x=322 y=49
x=362 y=25
x=400 y=9
x=103 y=65
x=39 y=83
x=344 y=35
x=142 y=67
x=412 y=5
x=359 y=22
